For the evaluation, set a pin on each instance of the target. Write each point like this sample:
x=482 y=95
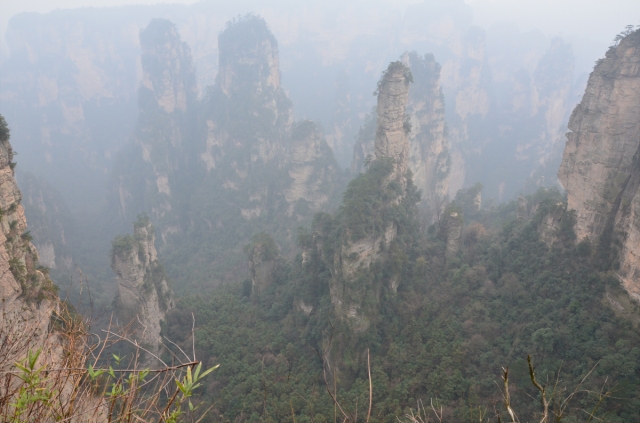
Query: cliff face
x=74 y=126
x=248 y=58
x=600 y=167
x=168 y=73
x=27 y=295
x=144 y=296
x=392 y=130
x=365 y=142
x=248 y=119
x=313 y=171
x=249 y=111
x=263 y=260
x=68 y=89
x=429 y=158
x=158 y=158
x=50 y=221
x=518 y=90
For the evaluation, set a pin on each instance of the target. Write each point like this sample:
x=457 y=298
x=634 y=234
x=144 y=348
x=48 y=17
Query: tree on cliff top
x=4 y=129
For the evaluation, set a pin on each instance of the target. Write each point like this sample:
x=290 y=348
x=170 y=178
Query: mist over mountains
x=481 y=68
x=402 y=185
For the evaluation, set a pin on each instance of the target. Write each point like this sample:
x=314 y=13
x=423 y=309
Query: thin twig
x=193 y=335
x=370 y=387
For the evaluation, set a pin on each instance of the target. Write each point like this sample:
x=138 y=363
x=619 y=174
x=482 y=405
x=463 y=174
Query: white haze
x=589 y=25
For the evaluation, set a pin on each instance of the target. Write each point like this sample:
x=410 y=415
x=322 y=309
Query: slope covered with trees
x=445 y=334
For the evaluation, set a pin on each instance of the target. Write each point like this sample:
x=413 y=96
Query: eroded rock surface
x=158 y=156
x=27 y=295
x=144 y=296
x=422 y=143
x=392 y=139
x=29 y=305
x=600 y=168
x=429 y=158
x=228 y=166
x=311 y=167
x=263 y=261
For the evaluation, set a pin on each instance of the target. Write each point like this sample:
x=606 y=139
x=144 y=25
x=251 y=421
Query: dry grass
x=68 y=374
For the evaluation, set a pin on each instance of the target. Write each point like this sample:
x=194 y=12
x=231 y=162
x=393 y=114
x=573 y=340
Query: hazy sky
x=597 y=20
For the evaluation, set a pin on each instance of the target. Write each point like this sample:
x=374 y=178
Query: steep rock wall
x=365 y=141
x=313 y=171
x=600 y=167
x=144 y=296
x=149 y=170
x=263 y=260
x=429 y=158
x=68 y=89
x=392 y=139
x=248 y=58
x=494 y=97
x=50 y=221
x=27 y=295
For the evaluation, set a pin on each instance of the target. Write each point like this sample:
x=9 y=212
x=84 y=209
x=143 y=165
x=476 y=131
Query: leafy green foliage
x=4 y=130
x=394 y=67
x=142 y=221
x=37 y=395
x=446 y=333
x=122 y=245
x=262 y=245
x=363 y=201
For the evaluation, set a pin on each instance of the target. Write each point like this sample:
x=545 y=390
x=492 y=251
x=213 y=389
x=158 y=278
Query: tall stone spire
x=392 y=140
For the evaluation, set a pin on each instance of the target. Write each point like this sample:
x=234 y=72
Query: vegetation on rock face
x=394 y=67
x=34 y=281
x=4 y=129
x=122 y=245
x=262 y=248
x=362 y=211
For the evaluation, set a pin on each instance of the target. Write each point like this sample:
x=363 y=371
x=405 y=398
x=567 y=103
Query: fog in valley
x=442 y=187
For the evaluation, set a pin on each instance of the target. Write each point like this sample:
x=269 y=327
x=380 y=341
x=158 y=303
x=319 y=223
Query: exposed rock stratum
x=601 y=163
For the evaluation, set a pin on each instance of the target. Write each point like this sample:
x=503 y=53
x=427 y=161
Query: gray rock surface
x=144 y=296
x=392 y=139
x=600 y=167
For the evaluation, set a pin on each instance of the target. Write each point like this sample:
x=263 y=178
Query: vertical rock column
x=160 y=158
x=392 y=139
x=144 y=296
x=429 y=158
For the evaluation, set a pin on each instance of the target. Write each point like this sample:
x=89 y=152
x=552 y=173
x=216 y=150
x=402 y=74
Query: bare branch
x=370 y=387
